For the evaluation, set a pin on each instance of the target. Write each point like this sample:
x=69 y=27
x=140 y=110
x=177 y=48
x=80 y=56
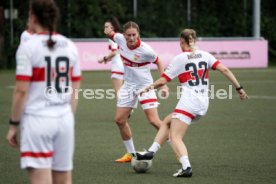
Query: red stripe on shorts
x=119 y=73
x=37 y=154
x=148 y=101
x=184 y=113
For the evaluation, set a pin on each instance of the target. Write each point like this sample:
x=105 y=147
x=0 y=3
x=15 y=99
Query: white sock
x=129 y=146
x=155 y=147
x=184 y=160
x=169 y=142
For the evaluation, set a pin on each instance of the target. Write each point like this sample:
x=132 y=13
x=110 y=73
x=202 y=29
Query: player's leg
x=126 y=101
x=36 y=147
x=177 y=132
x=62 y=177
x=64 y=149
x=162 y=134
x=117 y=84
x=153 y=117
x=161 y=137
x=39 y=176
x=121 y=118
x=150 y=104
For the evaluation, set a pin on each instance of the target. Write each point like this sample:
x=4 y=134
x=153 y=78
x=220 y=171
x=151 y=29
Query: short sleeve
x=174 y=68
x=119 y=39
x=113 y=45
x=151 y=56
x=212 y=62
x=24 y=70
x=25 y=36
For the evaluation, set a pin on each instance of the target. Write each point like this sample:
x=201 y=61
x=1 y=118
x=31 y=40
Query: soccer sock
x=169 y=142
x=129 y=146
x=154 y=147
x=184 y=160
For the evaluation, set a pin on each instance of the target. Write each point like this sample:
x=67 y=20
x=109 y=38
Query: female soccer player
x=44 y=103
x=136 y=56
x=191 y=67
x=117 y=68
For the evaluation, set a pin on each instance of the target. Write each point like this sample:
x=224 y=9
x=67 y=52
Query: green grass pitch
x=234 y=143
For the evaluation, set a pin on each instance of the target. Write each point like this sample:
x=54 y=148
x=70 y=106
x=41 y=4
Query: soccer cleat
x=184 y=173
x=147 y=155
x=126 y=158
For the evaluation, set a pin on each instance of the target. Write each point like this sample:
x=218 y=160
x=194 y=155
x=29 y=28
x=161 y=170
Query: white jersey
x=136 y=61
x=50 y=73
x=192 y=70
x=25 y=36
x=116 y=62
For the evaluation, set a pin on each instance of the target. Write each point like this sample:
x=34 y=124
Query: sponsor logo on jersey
x=136 y=57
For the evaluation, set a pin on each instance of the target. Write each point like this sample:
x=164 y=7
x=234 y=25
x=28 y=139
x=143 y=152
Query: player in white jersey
x=47 y=77
x=136 y=56
x=117 y=68
x=191 y=67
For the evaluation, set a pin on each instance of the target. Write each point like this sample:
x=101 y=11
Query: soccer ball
x=140 y=166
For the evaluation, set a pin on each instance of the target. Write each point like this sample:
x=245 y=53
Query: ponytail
x=50 y=42
x=47 y=14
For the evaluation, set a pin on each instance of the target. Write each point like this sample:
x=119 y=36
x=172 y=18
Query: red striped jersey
x=50 y=73
x=192 y=70
x=136 y=61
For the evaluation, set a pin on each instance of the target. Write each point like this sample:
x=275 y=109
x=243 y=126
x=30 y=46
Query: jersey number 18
x=61 y=72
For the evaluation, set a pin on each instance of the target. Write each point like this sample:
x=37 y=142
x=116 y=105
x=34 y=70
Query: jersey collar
x=137 y=45
x=46 y=33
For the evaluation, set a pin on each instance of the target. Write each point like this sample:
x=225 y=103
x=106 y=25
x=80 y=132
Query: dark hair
x=131 y=24
x=188 y=35
x=115 y=23
x=47 y=14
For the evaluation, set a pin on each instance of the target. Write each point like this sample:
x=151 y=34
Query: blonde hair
x=189 y=35
x=131 y=24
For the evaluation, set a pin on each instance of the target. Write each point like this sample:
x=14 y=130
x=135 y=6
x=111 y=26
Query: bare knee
x=120 y=121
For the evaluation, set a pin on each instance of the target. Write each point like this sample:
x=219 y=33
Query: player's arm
x=157 y=84
x=18 y=100
x=107 y=58
x=228 y=74
x=160 y=67
x=75 y=97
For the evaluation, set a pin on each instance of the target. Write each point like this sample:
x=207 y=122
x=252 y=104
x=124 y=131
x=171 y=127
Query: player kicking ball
x=191 y=67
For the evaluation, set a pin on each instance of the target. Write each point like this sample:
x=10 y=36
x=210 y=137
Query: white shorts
x=117 y=75
x=127 y=97
x=47 y=142
x=117 y=68
x=190 y=108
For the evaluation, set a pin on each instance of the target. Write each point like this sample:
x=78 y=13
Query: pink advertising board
x=232 y=53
